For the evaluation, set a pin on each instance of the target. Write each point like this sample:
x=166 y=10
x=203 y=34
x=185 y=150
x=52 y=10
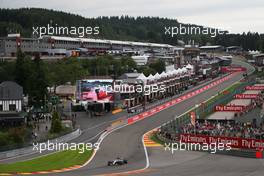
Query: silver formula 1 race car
x=117 y=162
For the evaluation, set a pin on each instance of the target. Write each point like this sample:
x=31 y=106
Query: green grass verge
x=52 y=161
x=229 y=89
x=217 y=97
x=156 y=139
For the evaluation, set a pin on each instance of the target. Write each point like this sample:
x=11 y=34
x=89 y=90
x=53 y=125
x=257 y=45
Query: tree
x=66 y=70
x=147 y=71
x=158 y=66
x=4 y=138
x=38 y=83
x=150 y=29
x=56 y=125
x=17 y=134
x=23 y=70
x=128 y=64
x=7 y=70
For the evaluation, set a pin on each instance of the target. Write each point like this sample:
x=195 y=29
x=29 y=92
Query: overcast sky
x=235 y=16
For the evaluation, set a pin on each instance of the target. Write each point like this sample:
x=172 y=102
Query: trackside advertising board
x=246 y=96
x=230 y=108
x=234 y=142
x=233 y=69
x=254 y=88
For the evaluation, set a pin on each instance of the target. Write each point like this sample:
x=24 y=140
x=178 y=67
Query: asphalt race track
x=186 y=163
x=91 y=128
x=127 y=143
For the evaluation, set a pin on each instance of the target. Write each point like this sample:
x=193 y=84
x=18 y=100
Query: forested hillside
x=149 y=29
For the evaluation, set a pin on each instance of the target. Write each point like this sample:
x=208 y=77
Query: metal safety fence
x=203 y=110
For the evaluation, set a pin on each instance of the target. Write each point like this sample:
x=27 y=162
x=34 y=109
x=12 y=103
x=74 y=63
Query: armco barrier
x=29 y=150
x=202 y=111
x=241 y=153
x=232 y=152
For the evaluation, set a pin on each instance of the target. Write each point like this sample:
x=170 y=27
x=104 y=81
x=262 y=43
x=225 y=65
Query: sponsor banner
x=167 y=104
x=234 y=142
x=230 y=108
x=133 y=119
x=246 y=96
x=254 y=88
x=144 y=114
x=161 y=107
x=153 y=111
x=233 y=69
x=140 y=116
